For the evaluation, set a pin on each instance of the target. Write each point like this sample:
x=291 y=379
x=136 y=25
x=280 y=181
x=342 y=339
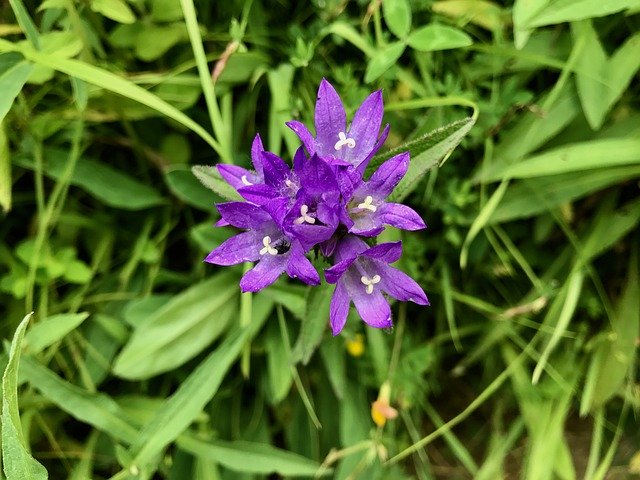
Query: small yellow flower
x=355 y=346
x=381 y=411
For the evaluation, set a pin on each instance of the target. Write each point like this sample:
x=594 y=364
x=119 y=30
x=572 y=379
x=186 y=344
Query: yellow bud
x=355 y=346
x=381 y=410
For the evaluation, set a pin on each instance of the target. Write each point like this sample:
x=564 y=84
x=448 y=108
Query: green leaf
x=211 y=178
x=186 y=187
x=96 y=409
x=574 y=157
x=438 y=37
x=184 y=406
x=11 y=82
x=523 y=12
x=165 y=10
x=600 y=80
x=181 y=329
x=116 y=10
x=111 y=82
x=155 y=40
x=397 y=15
x=278 y=364
x=108 y=185
x=5 y=170
x=250 y=457
x=383 y=60
x=426 y=152
x=25 y=22
x=614 y=357
x=571 y=10
x=18 y=463
x=314 y=323
x=52 y=329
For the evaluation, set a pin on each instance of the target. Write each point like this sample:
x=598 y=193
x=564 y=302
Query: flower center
x=370 y=282
x=304 y=217
x=245 y=181
x=266 y=241
x=366 y=205
x=349 y=142
x=288 y=183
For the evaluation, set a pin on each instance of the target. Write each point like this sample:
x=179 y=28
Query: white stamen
x=304 y=210
x=366 y=205
x=245 y=181
x=266 y=241
x=349 y=142
x=370 y=282
x=288 y=183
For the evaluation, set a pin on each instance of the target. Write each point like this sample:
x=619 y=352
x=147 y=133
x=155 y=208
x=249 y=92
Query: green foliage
x=522 y=120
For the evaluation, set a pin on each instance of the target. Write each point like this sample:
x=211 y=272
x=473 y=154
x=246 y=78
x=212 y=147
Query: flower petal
x=400 y=285
x=303 y=133
x=244 y=247
x=330 y=118
x=401 y=216
x=276 y=170
x=234 y=175
x=317 y=177
x=362 y=166
x=259 y=194
x=299 y=159
x=333 y=273
x=242 y=214
x=256 y=155
x=388 y=175
x=365 y=127
x=349 y=247
x=339 y=308
x=372 y=307
x=385 y=252
x=264 y=273
x=300 y=267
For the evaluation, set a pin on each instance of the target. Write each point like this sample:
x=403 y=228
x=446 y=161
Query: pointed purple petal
x=244 y=247
x=318 y=177
x=400 y=285
x=299 y=159
x=385 y=252
x=330 y=118
x=275 y=169
x=233 y=175
x=256 y=155
x=264 y=273
x=260 y=194
x=339 y=308
x=401 y=216
x=242 y=214
x=383 y=137
x=350 y=247
x=388 y=175
x=365 y=127
x=300 y=267
x=333 y=274
x=303 y=133
x=373 y=308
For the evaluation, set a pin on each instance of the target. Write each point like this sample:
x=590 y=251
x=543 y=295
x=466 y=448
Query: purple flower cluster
x=324 y=203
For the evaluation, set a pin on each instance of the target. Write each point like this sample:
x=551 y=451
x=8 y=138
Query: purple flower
x=355 y=145
x=362 y=274
x=368 y=209
x=265 y=242
x=239 y=177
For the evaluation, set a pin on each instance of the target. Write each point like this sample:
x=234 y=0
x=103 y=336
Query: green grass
x=140 y=361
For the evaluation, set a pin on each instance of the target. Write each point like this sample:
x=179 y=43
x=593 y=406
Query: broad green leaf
x=278 y=364
x=291 y=296
x=180 y=329
x=211 y=178
x=184 y=406
x=523 y=12
x=11 y=83
x=5 y=170
x=571 y=10
x=52 y=329
x=333 y=356
x=601 y=80
x=97 y=409
x=109 y=81
x=571 y=158
x=383 y=60
x=250 y=457
x=397 y=16
x=426 y=153
x=532 y=196
x=314 y=323
x=187 y=188
x=438 y=37
x=18 y=464
x=116 y=10
x=165 y=10
x=484 y=13
x=155 y=40
x=108 y=185
x=614 y=357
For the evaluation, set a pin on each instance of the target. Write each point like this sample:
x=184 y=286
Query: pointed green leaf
x=397 y=16
x=438 y=37
x=314 y=323
x=52 y=329
x=383 y=60
x=211 y=178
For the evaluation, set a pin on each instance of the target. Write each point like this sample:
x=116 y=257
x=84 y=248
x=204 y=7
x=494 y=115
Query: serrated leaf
x=383 y=60
x=397 y=16
x=211 y=178
x=438 y=37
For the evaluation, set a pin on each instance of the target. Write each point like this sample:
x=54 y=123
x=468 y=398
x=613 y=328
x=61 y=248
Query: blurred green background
x=142 y=362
